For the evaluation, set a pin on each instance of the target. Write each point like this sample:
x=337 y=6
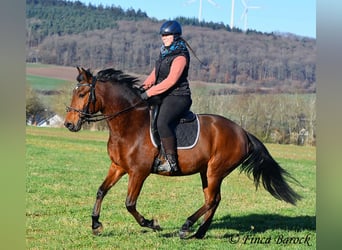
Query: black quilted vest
x=163 y=66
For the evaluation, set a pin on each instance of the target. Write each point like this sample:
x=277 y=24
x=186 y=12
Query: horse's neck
x=129 y=127
x=129 y=117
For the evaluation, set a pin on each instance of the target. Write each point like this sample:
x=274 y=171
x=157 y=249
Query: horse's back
x=222 y=133
x=222 y=123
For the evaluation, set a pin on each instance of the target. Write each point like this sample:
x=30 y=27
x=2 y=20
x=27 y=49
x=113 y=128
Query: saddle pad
x=187 y=134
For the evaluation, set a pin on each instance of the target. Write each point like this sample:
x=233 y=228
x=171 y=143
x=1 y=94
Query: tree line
x=71 y=33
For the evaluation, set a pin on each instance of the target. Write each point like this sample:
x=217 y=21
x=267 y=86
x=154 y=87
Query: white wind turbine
x=245 y=13
x=200 y=7
x=232 y=15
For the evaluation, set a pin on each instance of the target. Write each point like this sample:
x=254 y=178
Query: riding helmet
x=171 y=28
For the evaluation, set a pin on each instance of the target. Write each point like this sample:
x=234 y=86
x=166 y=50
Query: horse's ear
x=79 y=70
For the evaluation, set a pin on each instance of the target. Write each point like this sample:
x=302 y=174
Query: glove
x=140 y=88
x=144 y=96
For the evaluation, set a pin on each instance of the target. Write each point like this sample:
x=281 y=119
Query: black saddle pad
x=187 y=134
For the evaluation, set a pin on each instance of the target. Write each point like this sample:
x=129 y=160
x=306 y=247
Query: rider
x=168 y=80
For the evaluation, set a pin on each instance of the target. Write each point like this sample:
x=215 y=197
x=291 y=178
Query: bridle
x=85 y=114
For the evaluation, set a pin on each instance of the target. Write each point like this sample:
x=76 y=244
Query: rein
x=100 y=117
x=86 y=116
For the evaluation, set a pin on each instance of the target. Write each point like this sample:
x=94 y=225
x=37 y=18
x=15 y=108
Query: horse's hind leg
x=211 y=189
x=114 y=174
x=208 y=217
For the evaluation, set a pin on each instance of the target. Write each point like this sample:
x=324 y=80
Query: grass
x=64 y=170
x=44 y=83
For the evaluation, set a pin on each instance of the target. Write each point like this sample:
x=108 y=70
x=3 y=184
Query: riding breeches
x=171 y=110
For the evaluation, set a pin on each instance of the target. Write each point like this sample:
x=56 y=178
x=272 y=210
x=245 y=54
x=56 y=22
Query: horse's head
x=82 y=102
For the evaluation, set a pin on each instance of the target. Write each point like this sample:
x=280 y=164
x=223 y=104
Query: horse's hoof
x=199 y=235
x=156 y=226
x=97 y=231
x=183 y=234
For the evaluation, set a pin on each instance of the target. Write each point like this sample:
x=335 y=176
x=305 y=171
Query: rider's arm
x=150 y=80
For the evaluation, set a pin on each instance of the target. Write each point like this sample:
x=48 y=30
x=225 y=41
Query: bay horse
x=222 y=146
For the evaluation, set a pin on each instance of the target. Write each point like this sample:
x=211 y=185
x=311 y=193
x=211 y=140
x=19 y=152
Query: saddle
x=187 y=130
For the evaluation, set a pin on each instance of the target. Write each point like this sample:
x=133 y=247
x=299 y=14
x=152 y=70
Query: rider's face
x=167 y=39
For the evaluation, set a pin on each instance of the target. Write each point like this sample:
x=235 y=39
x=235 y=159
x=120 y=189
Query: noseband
x=85 y=114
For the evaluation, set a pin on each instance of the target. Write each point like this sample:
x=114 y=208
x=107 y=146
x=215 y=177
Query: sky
x=293 y=16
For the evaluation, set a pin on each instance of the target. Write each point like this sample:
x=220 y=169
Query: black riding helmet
x=171 y=28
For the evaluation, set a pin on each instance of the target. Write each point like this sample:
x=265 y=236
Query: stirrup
x=172 y=160
x=163 y=165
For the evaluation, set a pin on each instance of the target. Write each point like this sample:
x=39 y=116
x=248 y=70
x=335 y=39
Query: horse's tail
x=274 y=178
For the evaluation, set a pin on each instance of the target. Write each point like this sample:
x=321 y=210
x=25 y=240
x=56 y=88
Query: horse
x=222 y=146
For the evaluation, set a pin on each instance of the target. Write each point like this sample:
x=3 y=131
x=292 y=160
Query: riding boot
x=154 y=111
x=171 y=164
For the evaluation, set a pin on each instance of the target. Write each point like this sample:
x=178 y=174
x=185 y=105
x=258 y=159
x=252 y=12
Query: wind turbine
x=212 y=2
x=232 y=15
x=245 y=13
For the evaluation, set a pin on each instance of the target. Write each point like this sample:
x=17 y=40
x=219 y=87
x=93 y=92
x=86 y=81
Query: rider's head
x=171 y=28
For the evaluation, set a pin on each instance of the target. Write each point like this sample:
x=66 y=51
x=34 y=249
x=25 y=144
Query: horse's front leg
x=135 y=184
x=114 y=174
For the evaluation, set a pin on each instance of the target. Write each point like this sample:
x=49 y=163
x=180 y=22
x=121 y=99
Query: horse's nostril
x=68 y=125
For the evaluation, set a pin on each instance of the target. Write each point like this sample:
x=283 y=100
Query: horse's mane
x=117 y=76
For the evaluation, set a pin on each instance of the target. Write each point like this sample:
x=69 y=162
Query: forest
x=72 y=33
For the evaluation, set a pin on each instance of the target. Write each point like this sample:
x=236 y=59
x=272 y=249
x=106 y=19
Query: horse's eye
x=81 y=95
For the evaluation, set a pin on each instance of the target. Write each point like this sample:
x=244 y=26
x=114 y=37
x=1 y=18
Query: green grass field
x=64 y=170
x=44 y=83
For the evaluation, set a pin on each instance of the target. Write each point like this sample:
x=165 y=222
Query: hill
x=71 y=33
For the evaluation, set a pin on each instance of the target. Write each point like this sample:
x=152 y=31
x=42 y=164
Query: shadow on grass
x=261 y=222
x=256 y=223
